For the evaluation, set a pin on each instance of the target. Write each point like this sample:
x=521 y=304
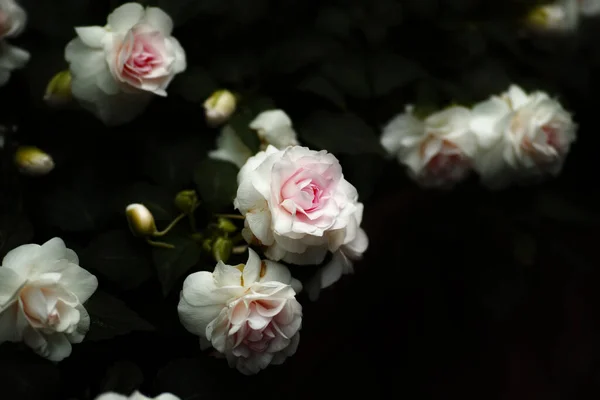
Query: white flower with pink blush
x=247 y=312
x=297 y=204
x=437 y=150
x=12 y=23
x=136 y=396
x=117 y=68
x=522 y=137
x=42 y=291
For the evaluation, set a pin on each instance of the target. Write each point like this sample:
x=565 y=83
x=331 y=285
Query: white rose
x=42 y=291
x=274 y=127
x=230 y=148
x=521 y=137
x=247 y=312
x=354 y=242
x=116 y=68
x=296 y=203
x=438 y=150
x=136 y=396
x=11 y=58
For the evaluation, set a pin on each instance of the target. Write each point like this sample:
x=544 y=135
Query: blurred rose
x=437 y=150
x=521 y=137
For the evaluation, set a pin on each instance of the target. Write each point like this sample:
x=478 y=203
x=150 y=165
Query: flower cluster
x=515 y=137
x=12 y=23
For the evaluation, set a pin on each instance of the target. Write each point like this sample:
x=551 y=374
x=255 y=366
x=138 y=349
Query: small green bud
x=207 y=245
x=186 y=201
x=141 y=220
x=33 y=161
x=222 y=249
x=225 y=225
x=219 y=107
x=58 y=91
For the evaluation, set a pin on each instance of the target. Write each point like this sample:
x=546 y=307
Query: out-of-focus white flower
x=42 y=291
x=297 y=204
x=136 y=396
x=117 y=68
x=33 y=161
x=560 y=16
x=219 y=107
x=438 y=150
x=274 y=127
x=589 y=8
x=247 y=312
x=12 y=19
x=11 y=58
x=521 y=137
x=230 y=148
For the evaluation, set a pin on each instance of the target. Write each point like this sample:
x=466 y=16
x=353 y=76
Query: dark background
x=464 y=293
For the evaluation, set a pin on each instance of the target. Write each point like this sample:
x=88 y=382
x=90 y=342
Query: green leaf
x=26 y=375
x=335 y=21
x=216 y=183
x=194 y=85
x=349 y=74
x=160 y=201
x=239 y=122
x=341 y=133
x=171 y=162
x=322 y=87
x=123 y=377
x=559 y=208
x=292 y=54
x=119 y=257
x=110 y=317
x=362 y=171
x=172 y=264
x=390 y=72
x=72 y=211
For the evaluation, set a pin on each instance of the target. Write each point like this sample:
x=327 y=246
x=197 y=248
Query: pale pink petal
x=125 y=17
x=10 y=283
x=92 y=36
x=159 y=20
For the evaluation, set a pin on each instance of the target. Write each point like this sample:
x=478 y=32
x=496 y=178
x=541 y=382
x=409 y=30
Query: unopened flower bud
x=140 y=219
x=33 y=161
x=186 y=201
x=221 y=249
x=225 y=225
x=219 y=107
x=58 y=91
x=558 y=16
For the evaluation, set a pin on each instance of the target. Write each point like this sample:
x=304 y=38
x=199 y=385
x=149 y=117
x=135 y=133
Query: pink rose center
x=448 y=164
x=305 y=192
x=140 y=55
x=39 y=305
x=259 y=328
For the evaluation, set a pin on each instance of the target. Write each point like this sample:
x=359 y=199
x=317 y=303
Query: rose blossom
x=521 y=137
x=135 y=396
x=436 y=150
x=296 y=203
x=42 y=291
x=247 y=312
x=12 y=23
x=116 y=68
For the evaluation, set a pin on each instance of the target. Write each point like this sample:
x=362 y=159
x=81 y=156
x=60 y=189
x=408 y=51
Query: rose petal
x=159 y=20
x=125 y=17
x=92 y=36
